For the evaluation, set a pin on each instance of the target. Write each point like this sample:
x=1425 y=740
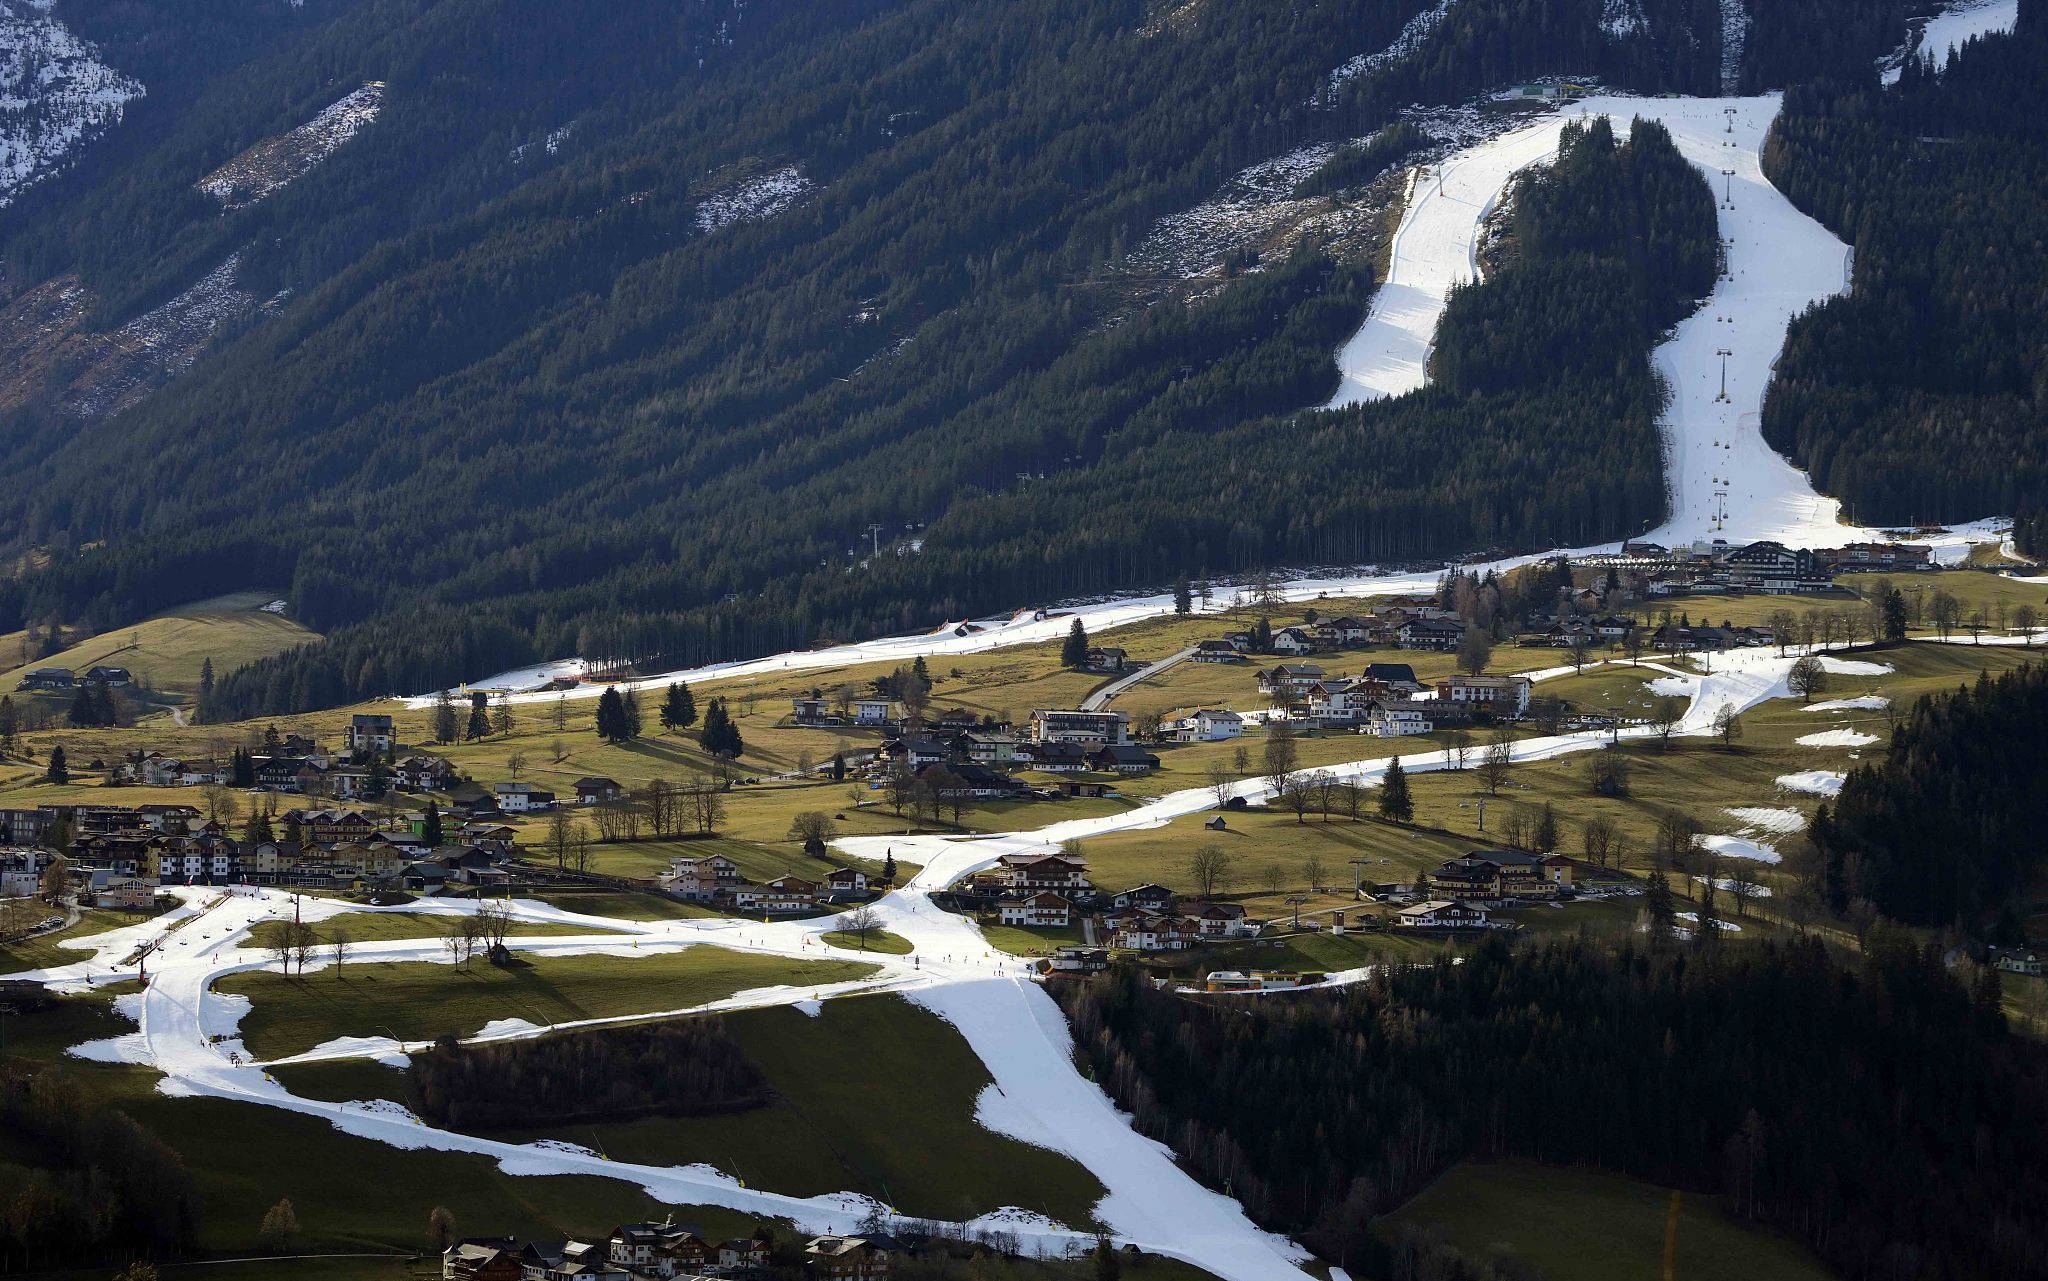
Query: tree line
x=1918 y=396
x=678 y=1067
x=1943 y=827
x=1877 y=1110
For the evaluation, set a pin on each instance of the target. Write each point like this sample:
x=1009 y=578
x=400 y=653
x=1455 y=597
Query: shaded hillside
x=1921 y=395
x=617 y=338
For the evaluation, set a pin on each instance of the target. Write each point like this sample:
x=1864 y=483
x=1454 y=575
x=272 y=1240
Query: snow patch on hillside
x=55 y=94
x=1836 y=738
x=1251 y=207
x=1736 y=847
x=1417 y=29
x=1948 y=31
x=755 y=200
x=1766 y=818
x=1814 y=782
x=275 y=163
x=160 y=344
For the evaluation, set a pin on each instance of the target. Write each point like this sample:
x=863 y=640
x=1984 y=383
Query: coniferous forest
x=518 y=392
x=1920 y=396
x=1943 y=828
x=1874 y=1109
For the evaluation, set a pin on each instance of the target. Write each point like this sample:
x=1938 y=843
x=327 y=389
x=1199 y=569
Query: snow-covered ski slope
x=1725 y=482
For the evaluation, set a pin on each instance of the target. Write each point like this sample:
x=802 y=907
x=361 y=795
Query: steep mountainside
x=1921 y=395
x=622 y=338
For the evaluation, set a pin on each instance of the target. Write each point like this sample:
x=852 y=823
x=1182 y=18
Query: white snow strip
x=1766 y=818
x=754 y=200
x=1862 y=703
x=1814 y=782
x=1836 y=738
x=1737 y=847
x=275 y=163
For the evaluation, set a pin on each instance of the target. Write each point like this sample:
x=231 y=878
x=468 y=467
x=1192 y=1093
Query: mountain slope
x=621 y=340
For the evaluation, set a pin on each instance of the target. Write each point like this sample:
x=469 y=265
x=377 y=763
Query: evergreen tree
x=1894 y=615
x=83 y=712
x=720 y=736
x=1183 y=600
x=1395 y=802
x=444 y=717
x=1658 y=905
x=1074 y=654
x=678 y=708
x=10 y=723
x=57 y=771
x=629 y=708
x=889 y=867
x=1545 y=836
x=479 y=717
x=611 y=716
x=430 y=826
x=204 y=709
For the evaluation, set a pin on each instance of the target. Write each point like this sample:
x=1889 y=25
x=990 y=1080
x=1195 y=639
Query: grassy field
x=844 y=1119
x=874 y=941
x=371 y=927
x=418 y=1001
x=1019 y=940
x=46 y=950
x=166 y=651
x=1573 y=1224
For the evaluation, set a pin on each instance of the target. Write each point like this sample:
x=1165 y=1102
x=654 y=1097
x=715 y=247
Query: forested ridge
x=518 y=402
x=1943 y=828
x=1877 y=1111
x=1921 y=395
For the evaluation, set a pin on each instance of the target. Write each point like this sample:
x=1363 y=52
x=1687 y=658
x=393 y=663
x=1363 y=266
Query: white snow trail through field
x=189 y=1032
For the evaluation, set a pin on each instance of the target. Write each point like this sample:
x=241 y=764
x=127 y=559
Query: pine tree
x=479 y=717
x=1894 y=615
x=1183 y=600
x=82 y=713
x=611 y=716
x=889 y=867
x=1657 y=903
x=204 y=710
x=629 y=706
x=678 y=708
x=444 y=717
x=720 y=736
x=430 y=826
x=1545 y=836
x=10 y=723
x=1074 y=654
x=1395 y=802
x=57 y=771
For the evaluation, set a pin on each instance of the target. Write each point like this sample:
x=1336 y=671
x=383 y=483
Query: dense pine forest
x=1943 y=829
x=522 y=393
x=1879 y=1112
x=1921 y=395
x=686 y=1067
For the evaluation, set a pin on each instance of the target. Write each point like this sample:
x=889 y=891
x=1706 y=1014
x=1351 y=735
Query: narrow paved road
x=1100 y=698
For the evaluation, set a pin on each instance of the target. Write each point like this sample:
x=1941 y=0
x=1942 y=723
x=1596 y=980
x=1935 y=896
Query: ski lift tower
x=1724 y=354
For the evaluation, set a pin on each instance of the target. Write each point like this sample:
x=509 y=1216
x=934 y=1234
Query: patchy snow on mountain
x=1621 y=17
x=275 y=163
x=755 y=200
x=160 y=344
x=1734 y=38
x=55 y=94
x=1251 y=207
x=1417 y=29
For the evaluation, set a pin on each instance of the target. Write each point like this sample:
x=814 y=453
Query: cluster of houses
x=1388 y=701
x=669 y=1251
x=121 y=854
x=1718 y=567
x=297 y=765
x=51 y=679
x=715 y=880
x=981 y=762
x=1459 y=894
x=1053 y=891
